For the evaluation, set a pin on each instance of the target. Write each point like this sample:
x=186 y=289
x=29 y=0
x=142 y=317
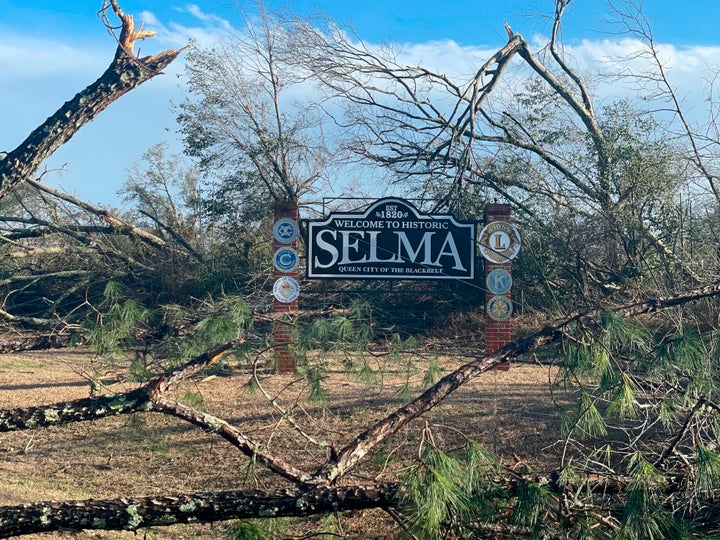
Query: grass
x=149 y=454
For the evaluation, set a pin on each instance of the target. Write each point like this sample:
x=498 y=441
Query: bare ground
x=511 y=412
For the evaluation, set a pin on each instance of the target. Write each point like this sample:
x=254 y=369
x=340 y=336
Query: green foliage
x=192 y=399
x=247 y=530
x=644 y=517
x=321 y=341
x=533 y=501
x=446 y=492
x=690 y=357
x=258 y=529
x=623 y=403
x=622 y=333
x=340 y=333
x=433 y=372
x=588 y=422
x=139 y=371
x=364 y=373
x=708 y=471
x=315 y=375
x=220 y=320
x=436 y=493
x=117 y=321
x=330 y=526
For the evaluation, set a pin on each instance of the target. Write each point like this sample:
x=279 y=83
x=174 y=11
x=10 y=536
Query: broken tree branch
x=349 y=456
x=131 y=514
x=111 y=219
x=126 y=72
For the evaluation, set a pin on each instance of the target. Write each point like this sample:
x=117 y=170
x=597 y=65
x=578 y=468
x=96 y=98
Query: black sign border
x=311 y=225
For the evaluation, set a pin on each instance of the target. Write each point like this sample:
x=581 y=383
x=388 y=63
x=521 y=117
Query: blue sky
x=51 y=49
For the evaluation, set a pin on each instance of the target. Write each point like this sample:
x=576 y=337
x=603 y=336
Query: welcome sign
x=391 y=240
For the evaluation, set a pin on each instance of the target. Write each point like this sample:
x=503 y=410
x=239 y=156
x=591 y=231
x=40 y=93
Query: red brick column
x=497 y=333
x=283 y=326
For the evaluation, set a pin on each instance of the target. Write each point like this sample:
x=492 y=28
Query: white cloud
x=38 y=74
x=208 y=28
x=447 y=57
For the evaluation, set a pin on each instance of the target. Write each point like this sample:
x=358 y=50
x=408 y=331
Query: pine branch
x=349 y=456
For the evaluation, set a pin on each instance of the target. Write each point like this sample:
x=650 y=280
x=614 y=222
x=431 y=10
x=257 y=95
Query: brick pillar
x=498 y=333
x=283 y=325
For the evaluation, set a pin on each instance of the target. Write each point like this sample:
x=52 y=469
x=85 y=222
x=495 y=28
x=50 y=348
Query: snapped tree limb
x=129 y=514
x=124 y=73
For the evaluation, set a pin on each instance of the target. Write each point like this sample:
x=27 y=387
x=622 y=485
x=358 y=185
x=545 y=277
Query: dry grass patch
x=511 y=413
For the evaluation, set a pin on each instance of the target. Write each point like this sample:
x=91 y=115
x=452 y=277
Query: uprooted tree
x=640 y=349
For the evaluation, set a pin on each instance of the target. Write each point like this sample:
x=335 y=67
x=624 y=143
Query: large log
x=130 y=514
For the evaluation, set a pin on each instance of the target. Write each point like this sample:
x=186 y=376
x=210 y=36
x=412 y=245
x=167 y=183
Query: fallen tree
x=320 y=489
x=312 y=492
x=30 y=231
x=126 y=72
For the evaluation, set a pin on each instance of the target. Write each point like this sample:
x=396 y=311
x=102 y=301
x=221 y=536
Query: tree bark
x=80 y=410
x=125 y=73
x=116 y=224
x=34 y=343
x=132 y=514
x=83 y=410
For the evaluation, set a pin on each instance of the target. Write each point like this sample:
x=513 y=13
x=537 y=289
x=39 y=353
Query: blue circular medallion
x=498 y=281
x=285 y=259
x=285 y=230
x=499 y=308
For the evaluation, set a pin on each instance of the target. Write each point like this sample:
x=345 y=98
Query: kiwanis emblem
x=498 y=281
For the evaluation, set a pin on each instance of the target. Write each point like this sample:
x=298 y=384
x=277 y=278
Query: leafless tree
x=408 y=132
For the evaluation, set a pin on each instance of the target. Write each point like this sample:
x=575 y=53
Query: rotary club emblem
x=499 y=308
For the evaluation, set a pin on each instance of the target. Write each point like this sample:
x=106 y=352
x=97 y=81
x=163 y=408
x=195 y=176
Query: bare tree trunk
x=34 y=343
x=116 y=224
x=132 y=514
x=83 y=410
x=125 y=73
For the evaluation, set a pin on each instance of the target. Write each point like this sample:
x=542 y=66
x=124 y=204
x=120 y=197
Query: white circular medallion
x=499 y=242
x=286 y=289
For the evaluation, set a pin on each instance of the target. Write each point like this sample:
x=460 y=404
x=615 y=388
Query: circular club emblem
x=285 y=259
x=286 y=290
x=499 y=308
x=499 y=242
x=285 y=230
x=498 y=281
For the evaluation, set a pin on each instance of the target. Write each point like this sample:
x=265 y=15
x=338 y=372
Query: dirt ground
x=512 y=413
